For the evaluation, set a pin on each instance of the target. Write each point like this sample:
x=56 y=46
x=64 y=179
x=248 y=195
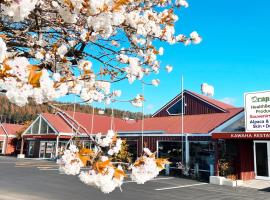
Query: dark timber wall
x=193 y=106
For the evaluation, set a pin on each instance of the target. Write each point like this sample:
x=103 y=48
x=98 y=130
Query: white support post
x=4 y=145
x=21 y=155
x=187 y=150
x=56 y=146
x=39 y=125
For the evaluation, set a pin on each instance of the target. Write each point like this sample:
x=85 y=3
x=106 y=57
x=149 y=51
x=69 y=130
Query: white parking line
x=50 y=167
x=156 y=179
x=29 y=166
x=47 y=169
x=181 y=186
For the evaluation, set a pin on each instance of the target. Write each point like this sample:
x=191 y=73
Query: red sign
x=40 y=136
x=241 y=135
x=46 y=136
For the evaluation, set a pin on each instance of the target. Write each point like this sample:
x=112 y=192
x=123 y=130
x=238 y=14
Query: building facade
x=8 y=138
x=181 y=130
x=247 y=152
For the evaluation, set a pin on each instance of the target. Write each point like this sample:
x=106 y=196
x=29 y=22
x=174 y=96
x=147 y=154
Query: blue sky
x=234 y=56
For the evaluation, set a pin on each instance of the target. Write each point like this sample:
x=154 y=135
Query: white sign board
x=257 y=111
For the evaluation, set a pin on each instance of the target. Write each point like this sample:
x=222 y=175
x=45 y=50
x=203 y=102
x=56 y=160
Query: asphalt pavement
x=27 y=179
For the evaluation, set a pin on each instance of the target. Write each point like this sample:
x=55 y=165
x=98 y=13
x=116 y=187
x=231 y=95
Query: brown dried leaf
x=100 y=166
x=34 y=76
x=118 y=173
x=139 y=162
x=85 y=155
x=161 y=162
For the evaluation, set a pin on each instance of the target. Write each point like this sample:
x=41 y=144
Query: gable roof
x=218 y=105
x=57 y=122
x=212 y=101
x=10 y=129
x=63 y=122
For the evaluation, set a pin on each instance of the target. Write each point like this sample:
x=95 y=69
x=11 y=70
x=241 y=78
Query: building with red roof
x=192 y=130
x=8 y=137
x=180 y=130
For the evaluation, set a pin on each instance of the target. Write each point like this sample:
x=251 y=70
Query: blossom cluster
x=103 y=172
x=22 y=81
x=81 y=47
x=146 y=167
x=107 y=180
x=70 y=163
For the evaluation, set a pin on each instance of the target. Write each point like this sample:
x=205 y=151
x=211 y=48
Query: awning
x=241 y=135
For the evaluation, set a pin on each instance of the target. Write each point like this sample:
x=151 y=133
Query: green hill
x=11 y=113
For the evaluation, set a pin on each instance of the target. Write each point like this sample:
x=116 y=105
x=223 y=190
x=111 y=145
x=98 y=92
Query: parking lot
x=40 y=180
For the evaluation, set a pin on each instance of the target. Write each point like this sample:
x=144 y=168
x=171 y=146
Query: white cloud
x=229 y=100
x=150 y=107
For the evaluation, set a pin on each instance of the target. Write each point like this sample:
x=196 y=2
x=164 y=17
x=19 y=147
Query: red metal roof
x=11 y=129
x=203 y=123
x=200 y=124
x=57 y=122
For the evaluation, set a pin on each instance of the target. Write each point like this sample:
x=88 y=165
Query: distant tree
x=124 y=155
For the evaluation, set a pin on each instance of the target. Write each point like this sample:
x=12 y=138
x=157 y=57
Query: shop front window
x=201 y=155
x=61 y=147
x=133 y=149
x=172 y=151
x=1 y=146
x=31 y=148
x=46 y=149
x=87 y=144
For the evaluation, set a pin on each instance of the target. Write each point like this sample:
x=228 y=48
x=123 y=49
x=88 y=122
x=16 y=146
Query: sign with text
x=244 y=135
x=257 y=111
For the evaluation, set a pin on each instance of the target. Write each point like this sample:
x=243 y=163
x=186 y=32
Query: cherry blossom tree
x=49 y=49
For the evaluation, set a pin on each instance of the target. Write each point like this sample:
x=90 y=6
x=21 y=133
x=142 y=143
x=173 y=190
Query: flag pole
x=182 y=116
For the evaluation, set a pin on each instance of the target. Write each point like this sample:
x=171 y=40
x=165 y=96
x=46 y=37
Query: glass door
x=42 y=149
x=261 y=159
x=47 y=149
x=31 y=148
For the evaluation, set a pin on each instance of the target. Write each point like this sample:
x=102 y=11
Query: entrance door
x=261 y=159
x=47 y=149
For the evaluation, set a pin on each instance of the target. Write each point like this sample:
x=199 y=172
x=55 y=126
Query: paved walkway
x=257 y=184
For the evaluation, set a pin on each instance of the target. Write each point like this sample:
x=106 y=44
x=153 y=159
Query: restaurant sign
x=241 y=135
x=257 y=111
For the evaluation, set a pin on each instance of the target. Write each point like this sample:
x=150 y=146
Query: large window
x=47 y=149
x=171 y=150
x=31 y=148
x=1 y=146
x=40 y=126
x=133 y=148
x=88 y=144
x=61 y=147
x=201 y=155
x=176 y=108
